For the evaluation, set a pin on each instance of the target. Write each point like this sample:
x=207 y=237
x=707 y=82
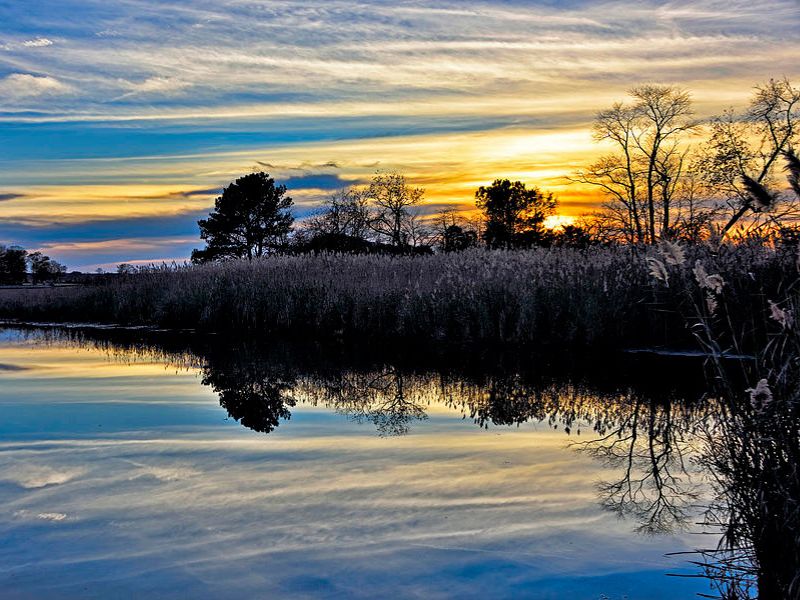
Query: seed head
x=658 y=270
x=761 y=395
x=713 y=283
x=672 y=252
x=783 y=317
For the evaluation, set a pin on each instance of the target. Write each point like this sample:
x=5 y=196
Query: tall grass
x=564 y=297
x=751 y=449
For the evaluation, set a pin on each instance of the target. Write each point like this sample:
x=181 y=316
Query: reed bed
x=562 y=297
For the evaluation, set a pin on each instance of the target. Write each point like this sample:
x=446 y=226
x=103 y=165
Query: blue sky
x=118 y=120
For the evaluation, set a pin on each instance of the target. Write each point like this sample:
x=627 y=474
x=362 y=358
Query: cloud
x=8 y=367
x=121 y=244
x=7 y=197
x=215 y=191
x=45 y=230
x=51 y=516
x=43 y=516
x=192 y=94
x=205 y=192
x=39 y=42
x=34 y=476
x=163 y=472
x=25 y=85
x=336 y=53
x=155 y=86
x=317 y=181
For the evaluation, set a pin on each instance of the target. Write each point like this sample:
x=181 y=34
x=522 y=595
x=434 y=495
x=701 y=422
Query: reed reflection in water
x=635 y=442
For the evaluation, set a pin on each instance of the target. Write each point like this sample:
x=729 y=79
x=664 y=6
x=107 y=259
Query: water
x=131 y=473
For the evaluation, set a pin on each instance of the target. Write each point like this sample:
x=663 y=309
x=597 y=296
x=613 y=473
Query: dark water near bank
x=185 y=469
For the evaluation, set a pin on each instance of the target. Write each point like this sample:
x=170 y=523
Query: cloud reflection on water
x=177 y=502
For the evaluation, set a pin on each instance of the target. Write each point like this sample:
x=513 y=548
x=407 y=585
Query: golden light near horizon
x=556 y=221
x=120 y=131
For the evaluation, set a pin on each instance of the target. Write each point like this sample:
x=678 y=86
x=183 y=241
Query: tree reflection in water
x=256 y=395
x=649 y=443
x=665 y=443
x=384 y=398
x=666 y=440
x=647 y=439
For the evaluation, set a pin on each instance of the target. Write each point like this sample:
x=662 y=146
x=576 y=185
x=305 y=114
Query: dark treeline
x=252 y=219
x=16 y=262
x=657 y=187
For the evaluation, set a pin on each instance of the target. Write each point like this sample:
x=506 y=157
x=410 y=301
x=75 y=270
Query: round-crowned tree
x=251 y=218
x=514 y=214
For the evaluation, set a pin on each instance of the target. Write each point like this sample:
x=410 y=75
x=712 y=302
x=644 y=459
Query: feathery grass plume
x=782 y=317
x=672 y=252
x=759 y=197
x=793 y=168
x=761 y=395
x=658 y=270
x=713 y=283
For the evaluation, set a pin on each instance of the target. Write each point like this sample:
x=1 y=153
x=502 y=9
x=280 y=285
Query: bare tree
x=649 y=442
x=393 y=201
x=740 y=159
x=452 y=232
x=643 y=177
x=343 y=213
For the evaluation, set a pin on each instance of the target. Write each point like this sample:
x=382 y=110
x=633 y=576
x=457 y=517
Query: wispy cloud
x=39 y=42
x=341 y=51
x=24 y=85
x=7 y=197
x=154 y=86
x=188 y=95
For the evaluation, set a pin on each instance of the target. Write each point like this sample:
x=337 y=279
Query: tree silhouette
x=344 y=214
x=393 y=200
x=250 y=219
x=385 y=399
x=455 y=239
x=44 y=268
x=645 y=179
x=742 y=154
x=514 y=214
x=12 y=264
x=573 y=236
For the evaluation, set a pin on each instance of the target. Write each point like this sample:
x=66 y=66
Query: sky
x=121 y=121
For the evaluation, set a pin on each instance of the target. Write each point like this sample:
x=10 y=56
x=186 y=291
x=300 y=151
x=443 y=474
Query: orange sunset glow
x=121 y=129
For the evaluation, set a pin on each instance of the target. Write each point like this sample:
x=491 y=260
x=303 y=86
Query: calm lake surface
x=129 y=471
